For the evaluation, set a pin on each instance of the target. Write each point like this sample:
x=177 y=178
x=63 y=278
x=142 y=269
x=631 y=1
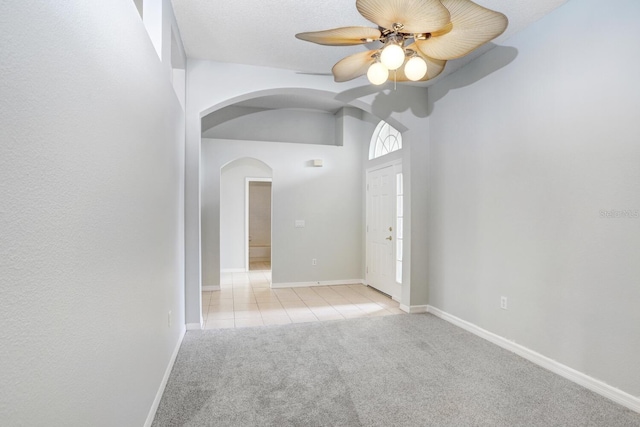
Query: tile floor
x=259 y=265
x=246 y=299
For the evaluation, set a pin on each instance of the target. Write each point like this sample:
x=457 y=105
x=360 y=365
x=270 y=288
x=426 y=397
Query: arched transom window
x=386 y=139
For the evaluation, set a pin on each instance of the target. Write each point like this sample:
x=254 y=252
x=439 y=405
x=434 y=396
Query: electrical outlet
x=169 y=319
x=503 y=303
x=314 y=261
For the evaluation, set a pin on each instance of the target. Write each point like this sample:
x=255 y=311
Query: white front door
x=381 y=198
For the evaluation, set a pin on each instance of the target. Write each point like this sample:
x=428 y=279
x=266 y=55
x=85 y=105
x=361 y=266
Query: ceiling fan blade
x=471 y=26
x=353 y=66
x=345 y=36
x=434 y=67
x=417 y=16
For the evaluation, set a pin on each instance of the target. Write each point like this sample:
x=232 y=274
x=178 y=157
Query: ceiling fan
x=418 y=38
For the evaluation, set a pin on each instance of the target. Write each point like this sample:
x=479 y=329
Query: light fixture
x=426 y=32
x=392 y=56
x=415 y=68
x=377 y=73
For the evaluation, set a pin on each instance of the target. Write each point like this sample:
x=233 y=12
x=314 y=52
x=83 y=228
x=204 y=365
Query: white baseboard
x=210 y=288
x=413 y=309
x=163 y=383
x=233 y=270
x=196 y=326
x=320 y=283
x=597 y=386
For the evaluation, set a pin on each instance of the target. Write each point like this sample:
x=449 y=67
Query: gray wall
x=91 y=214
x=233 y=239
x=523 y=164
x=283 y=125
x=329 y=200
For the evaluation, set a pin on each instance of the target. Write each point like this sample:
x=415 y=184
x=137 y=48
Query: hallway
x=246 y=299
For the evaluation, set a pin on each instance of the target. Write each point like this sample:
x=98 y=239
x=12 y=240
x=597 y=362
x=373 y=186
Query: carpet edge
x=603 y=389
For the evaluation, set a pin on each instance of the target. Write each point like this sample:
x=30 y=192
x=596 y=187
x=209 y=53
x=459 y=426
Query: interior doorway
x=258 y=224
x=233 y=222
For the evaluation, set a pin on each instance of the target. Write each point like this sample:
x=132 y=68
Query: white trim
x=395 y=163
x=233 y=270
x=373 y=143
x=163 y=383
x=210 y=288
x=320 y=283
x=597 y=386
x=396 y=299
x=196 y=326
x=414 y=309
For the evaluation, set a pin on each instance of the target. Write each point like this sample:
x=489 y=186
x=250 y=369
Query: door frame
x=247 y=181
x=397 y=168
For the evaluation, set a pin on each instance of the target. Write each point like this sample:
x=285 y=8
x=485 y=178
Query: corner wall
x=527 y=166
x=91 y=215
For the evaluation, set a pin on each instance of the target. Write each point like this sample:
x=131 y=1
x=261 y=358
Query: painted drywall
x=91 y=219
x=535 y=191
x=283 y=125
x=212 y=86
x=327 y=198
x=233 y=239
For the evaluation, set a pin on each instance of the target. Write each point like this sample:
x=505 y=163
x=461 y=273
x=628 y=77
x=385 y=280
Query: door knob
x=389 y=238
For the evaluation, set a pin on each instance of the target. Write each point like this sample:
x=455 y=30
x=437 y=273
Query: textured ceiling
x=262 y=32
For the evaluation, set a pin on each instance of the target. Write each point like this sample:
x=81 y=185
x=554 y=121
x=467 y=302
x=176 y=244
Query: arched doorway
x=245 y=215
x=225 y=234
x=217 y=150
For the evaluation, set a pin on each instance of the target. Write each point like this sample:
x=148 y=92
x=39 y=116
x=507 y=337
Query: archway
x=297 y=95
x=245 y=214
x=359 y=104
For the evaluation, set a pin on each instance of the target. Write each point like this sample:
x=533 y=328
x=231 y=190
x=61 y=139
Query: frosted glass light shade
x=392 y=56
x=353 y=66
x=377 y=73
x=415 y=69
